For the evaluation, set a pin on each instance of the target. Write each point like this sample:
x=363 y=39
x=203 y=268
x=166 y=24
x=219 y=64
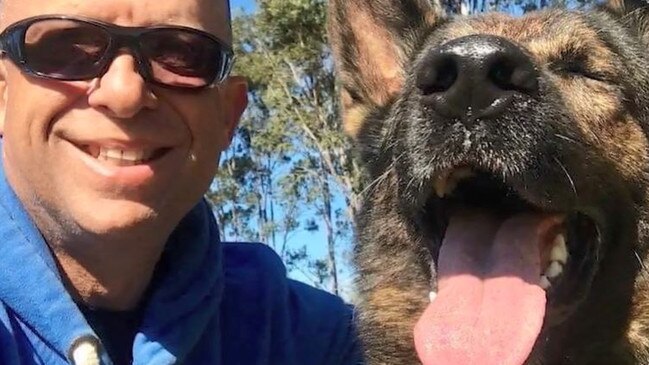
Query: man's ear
x=3 y=97
x=236 y=98
x=370 y=41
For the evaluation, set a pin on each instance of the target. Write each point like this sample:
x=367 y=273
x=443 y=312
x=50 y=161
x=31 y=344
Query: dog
x=504 y=212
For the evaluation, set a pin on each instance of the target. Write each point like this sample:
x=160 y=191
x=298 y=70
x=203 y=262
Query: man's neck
x=107 y=271
x=107 y=275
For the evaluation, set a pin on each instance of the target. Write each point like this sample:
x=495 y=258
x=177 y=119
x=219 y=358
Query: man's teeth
x=558 y=258
x=124 y=156
x=446 y=183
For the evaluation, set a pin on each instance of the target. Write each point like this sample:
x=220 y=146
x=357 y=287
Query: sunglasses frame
x=12 y=44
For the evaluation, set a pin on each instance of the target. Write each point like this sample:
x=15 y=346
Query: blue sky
x=246 y=5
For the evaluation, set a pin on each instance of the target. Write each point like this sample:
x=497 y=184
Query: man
x=113 y=117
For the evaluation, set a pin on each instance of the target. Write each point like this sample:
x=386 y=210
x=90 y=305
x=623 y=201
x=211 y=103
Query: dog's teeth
x=446 y=183
x=554 y=270
x=441 y=186
x=451 y=184
x=462 y=173
x=431 y=296
x=545 y=283
x=559 y=250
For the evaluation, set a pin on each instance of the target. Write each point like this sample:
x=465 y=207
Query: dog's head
x=507 y=156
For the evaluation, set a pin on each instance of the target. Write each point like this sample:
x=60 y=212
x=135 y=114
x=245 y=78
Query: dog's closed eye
x=575 y=64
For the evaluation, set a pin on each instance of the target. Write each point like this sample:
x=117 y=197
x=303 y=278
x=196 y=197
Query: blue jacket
x=226 y=304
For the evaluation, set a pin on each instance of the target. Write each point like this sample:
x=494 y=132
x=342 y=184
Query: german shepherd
x=504 y=220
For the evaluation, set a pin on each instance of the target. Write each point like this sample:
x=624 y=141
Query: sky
x=246 y=5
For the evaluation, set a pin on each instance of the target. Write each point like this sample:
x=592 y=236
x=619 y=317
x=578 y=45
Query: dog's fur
x=579 y=145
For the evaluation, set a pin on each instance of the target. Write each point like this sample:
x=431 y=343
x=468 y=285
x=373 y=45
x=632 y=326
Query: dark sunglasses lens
x=182 y=58
x=65 y=49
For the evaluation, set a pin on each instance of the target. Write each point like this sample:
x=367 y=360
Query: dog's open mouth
x=501 y=265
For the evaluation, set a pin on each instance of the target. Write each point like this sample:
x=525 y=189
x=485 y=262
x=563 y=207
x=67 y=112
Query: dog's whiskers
x=645 y=272
x=567 y=138
x=376 y=182
x=572 y=182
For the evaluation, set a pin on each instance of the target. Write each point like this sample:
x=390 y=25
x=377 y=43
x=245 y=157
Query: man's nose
x=122 y=91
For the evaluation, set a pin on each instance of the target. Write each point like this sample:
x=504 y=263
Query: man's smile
x=123 y=156
x=126 y=163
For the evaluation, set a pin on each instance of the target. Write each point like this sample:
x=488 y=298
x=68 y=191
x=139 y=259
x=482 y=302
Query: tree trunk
x=331 y=238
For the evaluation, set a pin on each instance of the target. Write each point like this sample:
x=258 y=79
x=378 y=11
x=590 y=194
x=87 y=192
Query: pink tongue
x=489 y=308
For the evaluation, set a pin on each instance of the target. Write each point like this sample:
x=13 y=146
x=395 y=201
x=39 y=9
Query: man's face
x=56 y=134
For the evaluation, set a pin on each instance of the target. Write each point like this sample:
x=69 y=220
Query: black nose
x=475 y=76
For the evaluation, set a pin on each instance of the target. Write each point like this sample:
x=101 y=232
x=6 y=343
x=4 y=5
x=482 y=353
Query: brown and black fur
x=578 y=144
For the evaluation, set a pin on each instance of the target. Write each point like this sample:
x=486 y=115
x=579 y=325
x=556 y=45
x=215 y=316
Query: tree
x=290 y=167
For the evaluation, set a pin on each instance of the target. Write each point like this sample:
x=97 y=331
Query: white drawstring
x=85 y=352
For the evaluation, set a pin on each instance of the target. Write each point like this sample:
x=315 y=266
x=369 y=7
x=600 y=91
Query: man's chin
x=115 y=217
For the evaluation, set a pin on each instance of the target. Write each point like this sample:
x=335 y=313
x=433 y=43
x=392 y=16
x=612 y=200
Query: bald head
x=228 y=17
x=222 y=7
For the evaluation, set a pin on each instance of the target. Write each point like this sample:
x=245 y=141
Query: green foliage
x=290 y=166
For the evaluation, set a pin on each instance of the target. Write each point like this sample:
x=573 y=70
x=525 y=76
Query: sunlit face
x=115 y=153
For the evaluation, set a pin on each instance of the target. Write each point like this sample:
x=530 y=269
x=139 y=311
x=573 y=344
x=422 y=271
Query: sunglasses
x=75 y=49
